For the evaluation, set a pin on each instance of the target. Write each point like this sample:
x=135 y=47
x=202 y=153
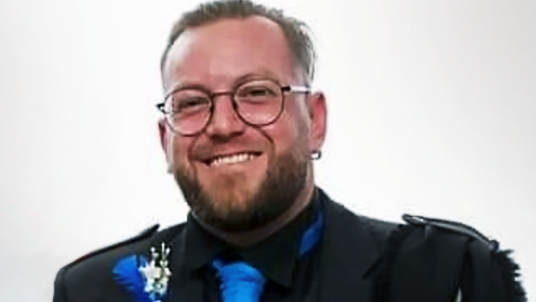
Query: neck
x=250 y=237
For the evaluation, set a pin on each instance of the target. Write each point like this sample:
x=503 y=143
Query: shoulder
x=456 y=256
x=342 y=222
x=451 y=227
x=440 y=237
x=423 y=230
x=94 y=270
x=418 y=231
x=138 y=244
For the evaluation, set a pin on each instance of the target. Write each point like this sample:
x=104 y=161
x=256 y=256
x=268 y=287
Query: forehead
x=218 y=53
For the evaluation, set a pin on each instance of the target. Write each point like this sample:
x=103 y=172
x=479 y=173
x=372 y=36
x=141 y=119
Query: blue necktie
x=241 y=282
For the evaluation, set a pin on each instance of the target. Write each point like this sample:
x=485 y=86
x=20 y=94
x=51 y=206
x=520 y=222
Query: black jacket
x=361 y=260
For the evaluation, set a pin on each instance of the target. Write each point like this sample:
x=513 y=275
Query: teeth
x=232 y=159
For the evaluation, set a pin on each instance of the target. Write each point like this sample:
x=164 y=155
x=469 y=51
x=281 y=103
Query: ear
x=165 y=141
x=318 y=118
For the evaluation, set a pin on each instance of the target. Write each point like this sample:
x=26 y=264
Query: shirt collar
x=200 y=246
x=275 y=257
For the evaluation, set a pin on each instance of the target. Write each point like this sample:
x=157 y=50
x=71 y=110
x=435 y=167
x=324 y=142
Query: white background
x=432 y=110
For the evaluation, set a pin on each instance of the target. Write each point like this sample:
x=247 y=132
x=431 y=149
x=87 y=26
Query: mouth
x=231 y=159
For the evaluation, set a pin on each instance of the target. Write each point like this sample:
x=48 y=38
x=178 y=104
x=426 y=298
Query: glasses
x=256 y=102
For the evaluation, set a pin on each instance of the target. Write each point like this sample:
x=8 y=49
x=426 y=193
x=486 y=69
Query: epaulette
x=142 y=235
x=508 y=268
x=452 y=226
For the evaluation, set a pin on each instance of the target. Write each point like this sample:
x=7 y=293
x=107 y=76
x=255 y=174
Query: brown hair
x=296 y=31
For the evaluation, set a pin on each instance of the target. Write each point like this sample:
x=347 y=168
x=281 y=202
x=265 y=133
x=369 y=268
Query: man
x=240 y=129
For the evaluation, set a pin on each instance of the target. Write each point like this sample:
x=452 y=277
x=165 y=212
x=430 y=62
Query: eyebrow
x=260 y=74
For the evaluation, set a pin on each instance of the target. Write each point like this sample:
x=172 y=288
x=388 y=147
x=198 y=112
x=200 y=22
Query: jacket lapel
x=182 y=286
x=349 y=251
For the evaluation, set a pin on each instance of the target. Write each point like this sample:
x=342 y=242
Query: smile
x=230 y=159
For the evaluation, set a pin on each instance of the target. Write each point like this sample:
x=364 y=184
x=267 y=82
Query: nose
x=225 y=122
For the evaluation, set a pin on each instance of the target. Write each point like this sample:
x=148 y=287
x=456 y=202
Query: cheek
x=179 y=151
x=290 y=132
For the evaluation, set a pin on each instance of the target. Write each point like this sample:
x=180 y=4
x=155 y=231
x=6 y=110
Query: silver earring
x=316 y=154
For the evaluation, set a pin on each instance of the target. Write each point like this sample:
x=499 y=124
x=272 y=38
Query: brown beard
x=284 y=181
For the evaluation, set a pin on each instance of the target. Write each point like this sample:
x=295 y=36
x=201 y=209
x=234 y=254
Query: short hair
x=296 y=32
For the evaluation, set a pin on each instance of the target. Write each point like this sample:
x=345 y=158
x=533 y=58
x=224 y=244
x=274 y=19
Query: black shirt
x=288 y=275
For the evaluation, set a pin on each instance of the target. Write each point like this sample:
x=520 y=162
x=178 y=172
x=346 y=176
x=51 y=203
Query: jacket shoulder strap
x=451 y=226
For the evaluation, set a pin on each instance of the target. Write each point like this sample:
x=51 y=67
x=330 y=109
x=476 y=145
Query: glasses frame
x=231 y=93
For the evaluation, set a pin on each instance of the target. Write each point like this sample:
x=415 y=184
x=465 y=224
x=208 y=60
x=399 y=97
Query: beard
x=283 y=182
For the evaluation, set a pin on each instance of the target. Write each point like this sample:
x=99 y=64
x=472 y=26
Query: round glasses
x=256 y=102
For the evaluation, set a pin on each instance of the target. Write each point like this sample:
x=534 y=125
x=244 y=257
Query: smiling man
x=241 y=125
x=239 y=130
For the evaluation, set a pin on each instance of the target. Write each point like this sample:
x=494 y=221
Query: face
x=233 y=175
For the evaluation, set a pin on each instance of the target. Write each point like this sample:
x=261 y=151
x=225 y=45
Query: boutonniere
x=146 y=279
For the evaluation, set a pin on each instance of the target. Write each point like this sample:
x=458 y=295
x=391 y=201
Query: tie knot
x=240 y=282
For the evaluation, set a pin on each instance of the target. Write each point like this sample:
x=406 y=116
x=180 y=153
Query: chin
x=231 y=196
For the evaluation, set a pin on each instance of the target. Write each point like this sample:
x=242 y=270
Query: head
x=237 y=175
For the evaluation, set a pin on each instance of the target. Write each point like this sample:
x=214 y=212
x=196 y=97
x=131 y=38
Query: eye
x=257 y=91
x=190 y=104
x=261 y=91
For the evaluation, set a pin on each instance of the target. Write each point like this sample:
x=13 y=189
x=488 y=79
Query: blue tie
x=241 y=282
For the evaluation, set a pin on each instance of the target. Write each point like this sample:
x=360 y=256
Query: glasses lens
x=188 y=110
x=259 y=102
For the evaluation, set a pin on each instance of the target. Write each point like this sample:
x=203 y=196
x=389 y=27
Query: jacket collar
x=350 y=248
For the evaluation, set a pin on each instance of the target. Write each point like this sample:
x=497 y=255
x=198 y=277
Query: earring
x=316 y=154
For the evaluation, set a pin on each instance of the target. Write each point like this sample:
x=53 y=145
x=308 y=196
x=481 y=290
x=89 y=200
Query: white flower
x=156 y=273
x=150 y=271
